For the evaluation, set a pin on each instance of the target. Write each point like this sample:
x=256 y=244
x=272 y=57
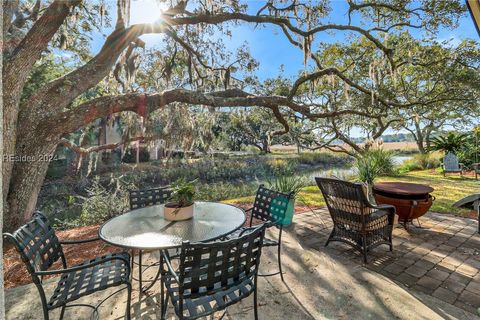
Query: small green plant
x=183 y=192
x=286 y=181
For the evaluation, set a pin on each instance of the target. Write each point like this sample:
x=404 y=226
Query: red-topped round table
x=411 y=200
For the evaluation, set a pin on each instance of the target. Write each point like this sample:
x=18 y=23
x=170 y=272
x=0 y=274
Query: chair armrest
x=249 y=209
x=79 y=241
x=388 y=208
x=461 y=165
x=166 y=259
x=83 y=266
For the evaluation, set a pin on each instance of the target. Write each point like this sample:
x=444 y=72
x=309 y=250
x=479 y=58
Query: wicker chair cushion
x=74 y=285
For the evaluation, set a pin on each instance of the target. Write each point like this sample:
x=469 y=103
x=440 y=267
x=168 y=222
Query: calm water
x=344 y=173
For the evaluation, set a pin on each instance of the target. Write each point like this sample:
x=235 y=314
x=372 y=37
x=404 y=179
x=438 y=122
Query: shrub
x=451 y=142
x=286 y=181
x=374 y=163
x=420 y=162
x=323 y=159
x=427 y=160
x=103 y=204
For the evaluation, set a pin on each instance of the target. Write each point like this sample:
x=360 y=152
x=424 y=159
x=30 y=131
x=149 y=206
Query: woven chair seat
x=74 y=285
x=194 y=308
x=376 y=220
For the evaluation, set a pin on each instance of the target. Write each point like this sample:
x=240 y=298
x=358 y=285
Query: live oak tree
x=454 y=74
x=440 y=85
x=35 y=126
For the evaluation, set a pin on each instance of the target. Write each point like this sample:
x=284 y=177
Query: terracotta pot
x=172 y=212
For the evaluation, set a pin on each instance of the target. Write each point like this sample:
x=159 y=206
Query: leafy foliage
x=103 y=203
x=452 y=142
x=286 y=181
x=420 y=161
x=183 y=192
x=374 y=163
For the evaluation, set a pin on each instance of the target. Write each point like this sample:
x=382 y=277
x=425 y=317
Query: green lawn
x=309 y=196
x=448 y=190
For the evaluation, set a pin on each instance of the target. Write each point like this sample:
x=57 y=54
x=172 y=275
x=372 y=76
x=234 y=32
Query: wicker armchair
x=269 y=207
x=40 y=248
x=355 y=220
x=141 y=199
x=212 y=276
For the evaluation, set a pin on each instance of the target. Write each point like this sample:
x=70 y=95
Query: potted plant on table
x=180 y=204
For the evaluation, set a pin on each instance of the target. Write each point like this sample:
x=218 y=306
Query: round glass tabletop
x=145 y=228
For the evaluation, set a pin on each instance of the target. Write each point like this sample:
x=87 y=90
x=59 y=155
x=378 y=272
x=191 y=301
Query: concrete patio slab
x=324 y=283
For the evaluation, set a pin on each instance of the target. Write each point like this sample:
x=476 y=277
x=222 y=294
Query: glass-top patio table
x=146 y=229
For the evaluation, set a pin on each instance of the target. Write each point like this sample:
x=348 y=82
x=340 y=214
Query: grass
x=448 y=190
x=308 y=196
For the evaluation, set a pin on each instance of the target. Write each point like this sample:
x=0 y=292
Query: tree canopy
x=193 y=67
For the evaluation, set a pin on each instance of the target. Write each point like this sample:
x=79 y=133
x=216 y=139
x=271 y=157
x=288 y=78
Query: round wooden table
x=411 y=200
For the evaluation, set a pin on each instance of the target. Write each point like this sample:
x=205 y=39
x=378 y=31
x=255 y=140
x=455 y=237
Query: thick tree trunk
x=29 y=170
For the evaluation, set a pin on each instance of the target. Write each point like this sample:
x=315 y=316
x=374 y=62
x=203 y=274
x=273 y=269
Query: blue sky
x=267 y=43
x=270 y=47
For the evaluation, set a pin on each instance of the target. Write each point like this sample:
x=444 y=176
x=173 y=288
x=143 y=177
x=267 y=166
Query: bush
x=420 y=162
x=286 y=181
x=323 y=159
x=427 y=160
x=374 y=163
x=103 y=204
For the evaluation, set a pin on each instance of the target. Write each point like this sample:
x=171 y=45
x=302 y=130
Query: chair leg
x=45 y=313
x=131 y=267
x=255 y=308
x=62 y=312
x=365 y=249
x=280 y=255
x=140 y=270
x=330 y=237
x=280 y=261
x=129 y=299
x=162 y=290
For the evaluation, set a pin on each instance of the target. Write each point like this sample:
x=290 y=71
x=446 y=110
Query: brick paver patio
x=442 y=258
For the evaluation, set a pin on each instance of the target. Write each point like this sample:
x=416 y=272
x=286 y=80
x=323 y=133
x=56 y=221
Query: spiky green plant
x=452 y=142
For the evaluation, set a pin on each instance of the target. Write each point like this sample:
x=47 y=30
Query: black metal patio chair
x=40 y=248
x=356 y=221
x=269 y=206
x=140 y=199
x=212 y=276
